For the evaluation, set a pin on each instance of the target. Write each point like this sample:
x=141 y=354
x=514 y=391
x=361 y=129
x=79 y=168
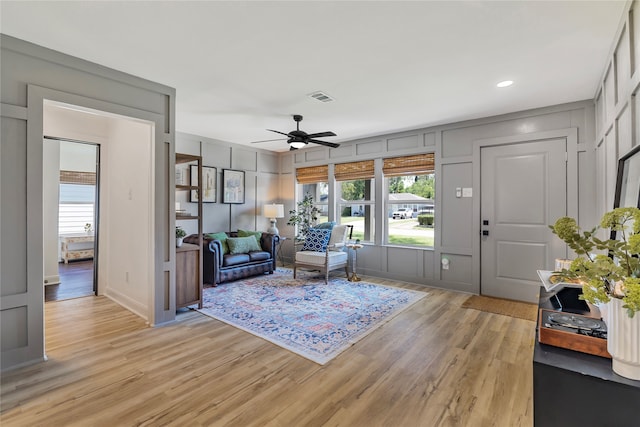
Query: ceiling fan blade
x=321 y=134
x=291 y=148
x=268 y=140
x=325 y=143
x=277 y=131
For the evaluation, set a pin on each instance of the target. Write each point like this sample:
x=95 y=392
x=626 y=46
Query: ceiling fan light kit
x=299 y=138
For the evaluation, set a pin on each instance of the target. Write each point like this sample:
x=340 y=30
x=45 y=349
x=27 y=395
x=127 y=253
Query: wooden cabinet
x=188 y=284
x=189 y=256
x=578 y=389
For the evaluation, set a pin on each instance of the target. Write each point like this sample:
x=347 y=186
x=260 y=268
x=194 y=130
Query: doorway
x=72 y=202
x=523 y=190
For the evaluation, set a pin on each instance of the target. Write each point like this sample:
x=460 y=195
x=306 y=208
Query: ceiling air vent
x=321 y=96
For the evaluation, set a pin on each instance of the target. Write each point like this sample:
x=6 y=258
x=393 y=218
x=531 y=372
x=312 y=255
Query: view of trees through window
x=408 y=199
x=410 y=210
x=356 y=208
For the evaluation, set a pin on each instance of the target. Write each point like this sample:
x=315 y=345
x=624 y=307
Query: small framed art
x=209 y=187
x=232 y=186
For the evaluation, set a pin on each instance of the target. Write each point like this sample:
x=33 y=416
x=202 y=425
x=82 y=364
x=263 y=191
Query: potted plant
x=180 y=233
x=611 y=277
x=305 y=216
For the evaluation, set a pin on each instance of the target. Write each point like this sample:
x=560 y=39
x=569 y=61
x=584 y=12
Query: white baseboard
x=51 y=280
x=128 y=303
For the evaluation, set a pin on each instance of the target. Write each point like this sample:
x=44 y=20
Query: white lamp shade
x=273 y=211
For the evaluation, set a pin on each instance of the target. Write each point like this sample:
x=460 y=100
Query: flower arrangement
x=87 y=227
x=305 y=217
x=615 y=273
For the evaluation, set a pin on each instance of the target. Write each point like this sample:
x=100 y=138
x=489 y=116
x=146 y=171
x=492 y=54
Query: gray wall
x=30 y=74
x=617 y=106
x=261 y=168
x=457 y=219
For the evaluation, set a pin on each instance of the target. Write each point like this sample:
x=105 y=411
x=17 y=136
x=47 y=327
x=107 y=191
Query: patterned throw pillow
x=242 y=245
x=317 y=240
x=247 y=233
x=223 y=240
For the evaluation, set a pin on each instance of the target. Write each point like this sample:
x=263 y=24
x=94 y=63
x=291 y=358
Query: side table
x=279 y=254
x=355 y=246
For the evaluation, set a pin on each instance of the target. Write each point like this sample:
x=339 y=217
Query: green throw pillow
x=223 y=240
x=242 y=245
x=247 y=233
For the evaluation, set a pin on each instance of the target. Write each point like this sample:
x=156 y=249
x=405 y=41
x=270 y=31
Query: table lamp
x=272 y=212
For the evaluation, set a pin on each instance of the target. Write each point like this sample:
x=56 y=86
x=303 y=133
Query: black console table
x=577 y=389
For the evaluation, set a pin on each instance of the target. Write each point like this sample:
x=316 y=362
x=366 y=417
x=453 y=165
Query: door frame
x=96 y=202
x=571 y=137
x=160 y=284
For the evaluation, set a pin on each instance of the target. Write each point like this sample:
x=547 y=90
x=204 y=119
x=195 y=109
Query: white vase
x=623 y=340
x=179 y=241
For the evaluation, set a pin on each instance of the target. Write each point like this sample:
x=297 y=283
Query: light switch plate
x=467 y=192
x=458 y=192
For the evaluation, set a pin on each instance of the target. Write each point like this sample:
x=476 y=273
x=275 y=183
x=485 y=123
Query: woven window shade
x=409 y=165
x=354 y=170
x=312 y=174
x=75 y=177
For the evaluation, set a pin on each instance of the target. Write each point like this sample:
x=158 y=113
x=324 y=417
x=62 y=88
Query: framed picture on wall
x=209 y=181
x=232 y=186
x=628 y=180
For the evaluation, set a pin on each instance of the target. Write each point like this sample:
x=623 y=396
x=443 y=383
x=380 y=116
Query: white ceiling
x=240 y=68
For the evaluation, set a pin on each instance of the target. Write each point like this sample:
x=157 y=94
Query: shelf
x=188 y=257
x=187 y=158
x=186 y=187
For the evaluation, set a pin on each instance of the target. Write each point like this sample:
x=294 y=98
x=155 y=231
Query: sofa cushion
x=236 y=259
x=247 y=233
x=259 y=256
x=317 y=240
x=242 y=245
x=222 y=236
x=318 y=258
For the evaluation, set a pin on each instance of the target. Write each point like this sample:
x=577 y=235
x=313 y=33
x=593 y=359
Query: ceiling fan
x=299 y=138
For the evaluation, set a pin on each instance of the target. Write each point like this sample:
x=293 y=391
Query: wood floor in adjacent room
x=435 y=364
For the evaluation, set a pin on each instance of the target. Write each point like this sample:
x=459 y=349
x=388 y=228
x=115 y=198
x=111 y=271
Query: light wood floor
x=435 y=364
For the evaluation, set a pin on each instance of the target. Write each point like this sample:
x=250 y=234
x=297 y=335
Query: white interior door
x=523 y=191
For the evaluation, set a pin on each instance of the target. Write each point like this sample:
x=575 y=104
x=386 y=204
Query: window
x=410 y=201
x=313 y=181
x=356 y=197
x=76 y=208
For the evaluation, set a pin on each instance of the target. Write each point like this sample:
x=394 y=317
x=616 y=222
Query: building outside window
x=410 y=203
x=355 y=182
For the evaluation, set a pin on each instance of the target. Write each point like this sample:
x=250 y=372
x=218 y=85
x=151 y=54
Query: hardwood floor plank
x=434 y=364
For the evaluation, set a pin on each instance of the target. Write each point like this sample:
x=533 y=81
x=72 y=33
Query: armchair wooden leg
x=326 y=277
x=294 y=271
x=346 y=269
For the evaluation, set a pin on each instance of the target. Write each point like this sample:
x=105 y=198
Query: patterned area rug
x=304 y=315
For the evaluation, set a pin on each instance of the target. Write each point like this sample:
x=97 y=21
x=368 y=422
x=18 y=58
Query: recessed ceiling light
x=505 y=83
